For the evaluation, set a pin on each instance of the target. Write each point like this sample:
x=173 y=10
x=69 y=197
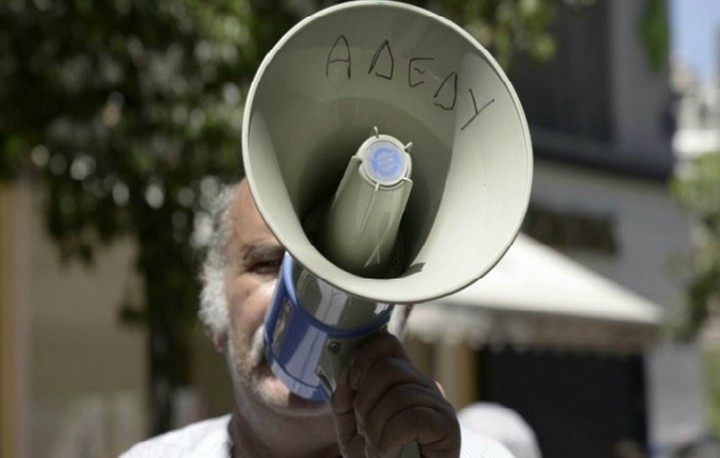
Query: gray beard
x=241 y=368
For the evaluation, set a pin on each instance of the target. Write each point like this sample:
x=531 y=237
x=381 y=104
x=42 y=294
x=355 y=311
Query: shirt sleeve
x=476 y=445
x=208 y=439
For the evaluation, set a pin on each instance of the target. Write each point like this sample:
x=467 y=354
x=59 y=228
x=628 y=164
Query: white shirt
x=503 y=424
x=211 y=439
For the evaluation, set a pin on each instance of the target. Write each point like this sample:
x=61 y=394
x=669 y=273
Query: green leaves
x=507 y=27
x=698 y=191
x=654 y=34
x=120 y=110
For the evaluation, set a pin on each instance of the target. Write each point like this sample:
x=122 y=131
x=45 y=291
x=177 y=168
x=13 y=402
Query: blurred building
x=565 y=331
x=574 y=344
x=698 y=112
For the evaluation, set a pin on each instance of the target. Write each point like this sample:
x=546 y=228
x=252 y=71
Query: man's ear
x=219 y=340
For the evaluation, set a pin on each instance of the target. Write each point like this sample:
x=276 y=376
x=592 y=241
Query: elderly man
x=381 y=402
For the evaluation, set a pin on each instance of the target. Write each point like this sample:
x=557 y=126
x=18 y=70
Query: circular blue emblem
x=386 y=161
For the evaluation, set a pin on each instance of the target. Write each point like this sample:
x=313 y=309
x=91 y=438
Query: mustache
x=257 y=344
x=257 y=347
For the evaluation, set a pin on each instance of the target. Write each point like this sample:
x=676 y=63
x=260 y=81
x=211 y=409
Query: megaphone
x=330 y=114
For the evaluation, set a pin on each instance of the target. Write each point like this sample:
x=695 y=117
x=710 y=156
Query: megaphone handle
x=338 y=353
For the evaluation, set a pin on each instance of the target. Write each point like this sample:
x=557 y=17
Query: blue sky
x=695 y=31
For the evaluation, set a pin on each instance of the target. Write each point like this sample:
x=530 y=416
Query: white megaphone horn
x=367 y=220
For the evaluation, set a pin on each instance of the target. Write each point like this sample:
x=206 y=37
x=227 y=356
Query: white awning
x=537 y=297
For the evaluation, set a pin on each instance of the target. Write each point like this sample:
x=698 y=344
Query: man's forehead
x=247 y=224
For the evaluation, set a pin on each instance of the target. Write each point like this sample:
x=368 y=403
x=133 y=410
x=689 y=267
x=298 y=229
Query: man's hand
x=383 y=402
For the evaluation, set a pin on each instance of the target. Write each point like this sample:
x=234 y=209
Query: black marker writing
x=383 y=50
x=383 y=65
x=449 y=91
x=412 y=69
x=340 y=52
x=475 y=107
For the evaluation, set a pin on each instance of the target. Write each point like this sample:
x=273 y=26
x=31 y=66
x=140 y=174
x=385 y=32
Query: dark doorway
x=579 y=404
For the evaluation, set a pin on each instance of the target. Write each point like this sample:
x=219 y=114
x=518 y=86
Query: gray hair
x=213 y=302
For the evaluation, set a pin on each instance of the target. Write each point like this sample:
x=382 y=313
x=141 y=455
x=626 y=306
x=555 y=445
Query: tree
x=128 y=115
x=698 y=191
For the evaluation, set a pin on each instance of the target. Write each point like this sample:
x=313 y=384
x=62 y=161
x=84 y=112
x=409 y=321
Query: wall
x=597 y=101
x=640 y=95
x=85 y=372
x=651 y=231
